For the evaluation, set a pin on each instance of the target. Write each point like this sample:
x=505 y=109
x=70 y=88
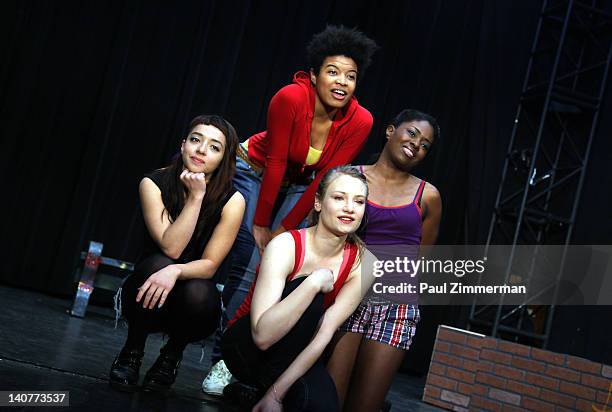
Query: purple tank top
x=395 y=225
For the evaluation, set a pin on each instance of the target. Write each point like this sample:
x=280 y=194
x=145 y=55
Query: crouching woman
x=309 y=282
x=192 y=214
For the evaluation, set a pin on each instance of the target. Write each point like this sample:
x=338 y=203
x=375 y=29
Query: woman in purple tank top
x=404 y=212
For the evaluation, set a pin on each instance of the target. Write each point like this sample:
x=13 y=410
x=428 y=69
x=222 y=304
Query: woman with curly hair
x=313 y=125
x=192 y=214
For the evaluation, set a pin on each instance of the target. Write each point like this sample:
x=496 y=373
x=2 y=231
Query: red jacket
x=284 y=146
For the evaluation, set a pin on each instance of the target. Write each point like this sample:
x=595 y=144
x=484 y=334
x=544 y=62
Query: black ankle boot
x=163 y=372
x=124 y=371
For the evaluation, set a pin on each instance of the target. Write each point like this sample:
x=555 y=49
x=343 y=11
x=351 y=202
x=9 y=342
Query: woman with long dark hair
x=192 y=214
x=308 y=283
x=313 y=125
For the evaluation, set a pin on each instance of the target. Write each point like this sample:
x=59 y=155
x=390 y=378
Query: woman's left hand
x=262 y=237
x=280 y=229
x=158 y=286
x=268 y=404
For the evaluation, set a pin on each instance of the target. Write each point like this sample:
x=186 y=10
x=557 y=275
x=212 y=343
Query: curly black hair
x=341 y=41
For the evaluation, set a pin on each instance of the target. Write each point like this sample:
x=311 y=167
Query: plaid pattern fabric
x=390 y=323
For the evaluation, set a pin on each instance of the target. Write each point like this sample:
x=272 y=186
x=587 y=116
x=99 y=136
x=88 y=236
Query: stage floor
x=43 y=348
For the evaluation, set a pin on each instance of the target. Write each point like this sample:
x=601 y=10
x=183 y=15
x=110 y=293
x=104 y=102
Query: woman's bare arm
x=172 y=237
x=346 y=302
x=271 y=317
x=220 y=242
x=432 y=210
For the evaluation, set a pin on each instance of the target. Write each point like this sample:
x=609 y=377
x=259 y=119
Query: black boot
x=163 y=372
x=124 y=371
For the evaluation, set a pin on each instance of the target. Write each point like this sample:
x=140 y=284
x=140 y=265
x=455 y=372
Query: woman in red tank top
x=309 y=282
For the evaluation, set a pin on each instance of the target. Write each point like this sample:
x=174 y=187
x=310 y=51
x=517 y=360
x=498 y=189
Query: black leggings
x=314 y=391
x=191 y=311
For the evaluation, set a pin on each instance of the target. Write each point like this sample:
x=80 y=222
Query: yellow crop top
x=313 y=154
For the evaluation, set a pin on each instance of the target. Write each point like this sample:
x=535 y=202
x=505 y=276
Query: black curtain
x=95 y=93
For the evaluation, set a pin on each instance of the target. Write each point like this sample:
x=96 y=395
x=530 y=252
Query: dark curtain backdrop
x=95 y=93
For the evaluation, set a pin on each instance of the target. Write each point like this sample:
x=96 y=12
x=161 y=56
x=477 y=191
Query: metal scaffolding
x=555 y=123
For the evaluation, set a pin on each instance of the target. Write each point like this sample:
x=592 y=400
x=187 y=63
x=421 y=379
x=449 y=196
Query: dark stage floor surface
x=43 y=348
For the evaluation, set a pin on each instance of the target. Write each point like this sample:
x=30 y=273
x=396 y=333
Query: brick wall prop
x=474 y=372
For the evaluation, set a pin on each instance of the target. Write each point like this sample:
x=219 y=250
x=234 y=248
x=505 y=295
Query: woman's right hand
x=195 y=183
x=156 y=288
x=324 y=279
x=263 y=236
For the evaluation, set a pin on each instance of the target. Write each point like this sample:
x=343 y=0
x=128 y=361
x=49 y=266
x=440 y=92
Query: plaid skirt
x=390 y=323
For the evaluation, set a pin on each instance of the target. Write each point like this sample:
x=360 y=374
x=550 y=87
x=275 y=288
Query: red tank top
x=299 y=239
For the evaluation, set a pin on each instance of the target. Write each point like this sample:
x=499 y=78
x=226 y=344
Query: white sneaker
x=217 y=379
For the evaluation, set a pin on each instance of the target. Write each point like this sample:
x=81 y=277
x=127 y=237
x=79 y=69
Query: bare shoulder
x=279 y=255
x=430 y=191
x=431 y=200
x=149 y=192
x=147 y=184
x=235 y=201
x=281 y=245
